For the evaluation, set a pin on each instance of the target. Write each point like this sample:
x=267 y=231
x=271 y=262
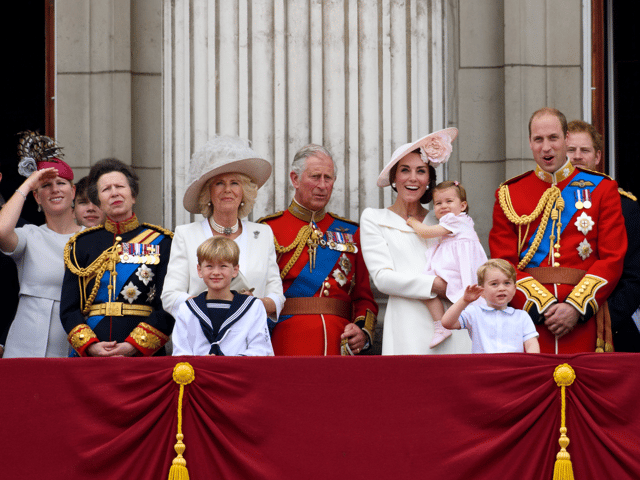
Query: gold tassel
x=564 y=376
x=183 y=374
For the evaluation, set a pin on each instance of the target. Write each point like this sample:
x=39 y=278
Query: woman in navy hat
x=38 y=250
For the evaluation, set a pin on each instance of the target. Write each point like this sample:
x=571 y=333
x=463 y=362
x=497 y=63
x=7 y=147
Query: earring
x=242 y=204
x=39 y=207
x=428 y=187
x=393 y=185
x=208 y=204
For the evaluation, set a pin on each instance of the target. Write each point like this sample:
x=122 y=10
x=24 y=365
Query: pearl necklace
x=223 y=230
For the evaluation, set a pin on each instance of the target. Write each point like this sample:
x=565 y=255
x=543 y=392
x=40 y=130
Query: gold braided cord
x=545 y=204
x=299 y=243
x=106 y=261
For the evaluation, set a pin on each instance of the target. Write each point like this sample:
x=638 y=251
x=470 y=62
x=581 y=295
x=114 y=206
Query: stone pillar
x=361 y=78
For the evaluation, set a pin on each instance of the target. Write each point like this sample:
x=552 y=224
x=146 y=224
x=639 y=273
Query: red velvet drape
x=450 y=417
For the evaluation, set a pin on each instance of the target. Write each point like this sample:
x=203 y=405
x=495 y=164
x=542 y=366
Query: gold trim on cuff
x=80 y=336
x=536 y=293
x=584 y=293
x=148 y=337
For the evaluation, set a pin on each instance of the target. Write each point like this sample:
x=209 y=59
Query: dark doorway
x=23 y=35
x=623 y=85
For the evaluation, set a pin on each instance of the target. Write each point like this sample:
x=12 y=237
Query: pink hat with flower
x=435 y=148
x=38 y=152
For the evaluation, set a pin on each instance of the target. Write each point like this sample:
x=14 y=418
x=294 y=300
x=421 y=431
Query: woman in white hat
x=395 y=254
x=225 y=177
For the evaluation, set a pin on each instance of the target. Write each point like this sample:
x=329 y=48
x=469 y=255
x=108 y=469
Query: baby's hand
x=472 y=293
x=412 y=222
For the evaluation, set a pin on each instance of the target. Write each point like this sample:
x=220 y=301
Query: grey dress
x=36 y=330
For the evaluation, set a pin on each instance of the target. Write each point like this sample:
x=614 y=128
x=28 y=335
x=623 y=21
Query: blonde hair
x=499 y=264
x=249 y=195
x=462 y=193
x=219 y=249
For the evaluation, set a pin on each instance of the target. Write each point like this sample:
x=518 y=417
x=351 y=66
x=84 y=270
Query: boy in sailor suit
x=221 y=321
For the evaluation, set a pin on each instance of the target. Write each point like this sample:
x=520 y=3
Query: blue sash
x=216 y=322
x=125 y=270
x=307 y=283
x=570 y=209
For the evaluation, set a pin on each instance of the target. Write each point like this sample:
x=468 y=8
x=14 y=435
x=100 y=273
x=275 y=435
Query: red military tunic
x=347 y=281
x=582 y=266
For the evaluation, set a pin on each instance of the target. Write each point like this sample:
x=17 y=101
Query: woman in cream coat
x=395 y=254
x=226 y=174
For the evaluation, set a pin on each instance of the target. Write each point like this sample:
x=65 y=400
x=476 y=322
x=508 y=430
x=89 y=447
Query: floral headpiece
x=437 y=149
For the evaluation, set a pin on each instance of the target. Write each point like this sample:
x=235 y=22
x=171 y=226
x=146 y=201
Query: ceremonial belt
x=565 y=275
x=317 y=306
x=119 y=309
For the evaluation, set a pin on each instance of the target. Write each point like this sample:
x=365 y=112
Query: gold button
x=586 y=282
x=143 y=338
x=577 y=294
x=556 y=264
x=327 y=284
x=81 y=336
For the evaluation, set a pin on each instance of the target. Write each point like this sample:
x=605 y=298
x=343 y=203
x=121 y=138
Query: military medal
x=587 y=198
x=578 y=195
x=341 y=241
x=584 y=223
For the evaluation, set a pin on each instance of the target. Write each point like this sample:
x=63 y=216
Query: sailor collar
x=125 y=226
x=558 y=176
x=305 y=214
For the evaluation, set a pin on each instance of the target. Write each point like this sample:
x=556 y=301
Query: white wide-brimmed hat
x=223 y=154
x=434 y=148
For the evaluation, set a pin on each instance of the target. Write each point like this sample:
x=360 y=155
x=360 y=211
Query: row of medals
x=140 y=253
x=317 y=239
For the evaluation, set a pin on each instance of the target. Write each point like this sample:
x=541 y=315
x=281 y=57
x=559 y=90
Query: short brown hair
x=497 y=263
x=219 y=249
x=462 y=193
x=550 y=111
x=578 y=126
x=108 y=165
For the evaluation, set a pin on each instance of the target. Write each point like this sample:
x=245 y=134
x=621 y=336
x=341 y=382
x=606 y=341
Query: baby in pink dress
x=457 y=256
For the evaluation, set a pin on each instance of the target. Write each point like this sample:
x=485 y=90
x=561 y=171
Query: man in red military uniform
x=330 y=307
x=562 y=227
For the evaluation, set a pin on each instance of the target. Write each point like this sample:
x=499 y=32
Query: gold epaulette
x=159 y=229
x=343 y=219
x=595 y=172
x=73 y=239
x=270 y=217
x=518 y=177
x=630 y=195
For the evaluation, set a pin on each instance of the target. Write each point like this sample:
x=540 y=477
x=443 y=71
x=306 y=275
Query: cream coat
x=257 y=264
x=395 y=257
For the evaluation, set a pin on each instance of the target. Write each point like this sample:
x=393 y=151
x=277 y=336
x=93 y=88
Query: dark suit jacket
x=625 y=299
